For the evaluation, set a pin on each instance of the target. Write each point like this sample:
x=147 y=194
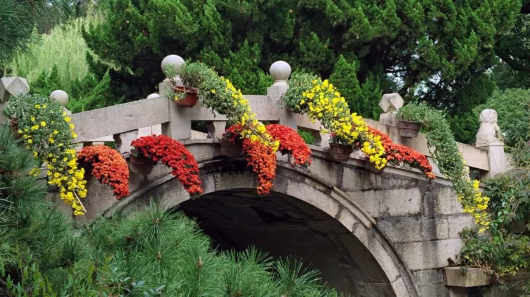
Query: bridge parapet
x=159 y=115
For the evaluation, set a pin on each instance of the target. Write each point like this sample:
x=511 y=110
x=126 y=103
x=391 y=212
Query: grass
x=63 y=46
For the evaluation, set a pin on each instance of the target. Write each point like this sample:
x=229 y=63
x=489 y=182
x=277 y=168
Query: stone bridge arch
x=334 y=234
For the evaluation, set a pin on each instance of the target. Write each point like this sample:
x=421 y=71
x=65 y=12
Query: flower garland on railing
x=48 y=131
x=174 y=155
x=108 y=166
x=291 y=143
x=396 y=154
x=222 y=97
x=320 y=100
x=444 y=150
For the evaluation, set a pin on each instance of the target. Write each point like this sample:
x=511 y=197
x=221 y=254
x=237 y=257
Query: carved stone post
x=390 y=104
x=11 y=86
x=123 y=140
x=489 y=137
x=280 y=72
x=61 y=97
x=179 y=126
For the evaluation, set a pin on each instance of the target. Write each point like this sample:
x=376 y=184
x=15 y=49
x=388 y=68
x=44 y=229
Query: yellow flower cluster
x=323 y=102
x=64 y=174
x=43 y=138
x=243 y=115
x=474 y=203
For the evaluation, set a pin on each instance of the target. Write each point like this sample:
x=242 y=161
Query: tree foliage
x=413 y=40
x=513 y=111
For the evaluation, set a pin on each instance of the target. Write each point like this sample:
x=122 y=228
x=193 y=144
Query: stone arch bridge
x=370 y=235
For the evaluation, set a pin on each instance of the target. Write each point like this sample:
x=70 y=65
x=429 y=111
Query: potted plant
x=339 y=150
x=291 y=143
x=108 y=166
x=141 y=164
x=48 y=131
x=232 y=142
x=410 y=118
x=192 y=75
x=174 y=155
x=299 y=83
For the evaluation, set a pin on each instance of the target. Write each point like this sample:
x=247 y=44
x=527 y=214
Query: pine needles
x=146 y=253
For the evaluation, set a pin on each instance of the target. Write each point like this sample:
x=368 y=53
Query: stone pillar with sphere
x=179 y=125
x=280 y=71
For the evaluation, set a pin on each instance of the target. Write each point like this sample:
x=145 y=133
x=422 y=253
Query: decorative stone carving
x=60 y=97
x=489 y=132
x=173 y=62
x=10 y=86
x=391 y=102
x=280 y=72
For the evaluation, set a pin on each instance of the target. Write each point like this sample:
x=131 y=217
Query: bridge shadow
x=282 y=226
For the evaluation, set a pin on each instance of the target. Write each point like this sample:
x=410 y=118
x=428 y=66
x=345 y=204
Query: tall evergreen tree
x=414 y=40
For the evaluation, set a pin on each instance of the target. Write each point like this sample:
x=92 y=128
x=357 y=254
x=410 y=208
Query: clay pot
x=14 y=129
x=408 y=129
x=141 y=165
x=191 y=97
x=339 y=152
x=229 y=149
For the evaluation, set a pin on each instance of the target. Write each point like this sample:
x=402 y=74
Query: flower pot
x=408 y=129
x=14 y=129
x=191 y=97
x=141 y=165
x=339 y=152
x=229 y=149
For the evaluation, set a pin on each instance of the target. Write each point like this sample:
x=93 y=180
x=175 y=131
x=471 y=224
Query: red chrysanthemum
x=291 y=142
x=108 y=166
x=396 y=153
x=174 y=155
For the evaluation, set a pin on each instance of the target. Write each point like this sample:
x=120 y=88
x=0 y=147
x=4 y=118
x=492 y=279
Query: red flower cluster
x=263 y=161
x=397 y=153
x=108 y=166
x=175 y=155
x=291 y=142
x=260 y=157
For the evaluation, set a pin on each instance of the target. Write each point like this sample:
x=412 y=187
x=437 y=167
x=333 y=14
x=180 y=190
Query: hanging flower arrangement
x=108 y=166
x=396 y=154
x=220 y=96
x=291 y=143
x=174 y=155
x=47 y=130
x=320 y=100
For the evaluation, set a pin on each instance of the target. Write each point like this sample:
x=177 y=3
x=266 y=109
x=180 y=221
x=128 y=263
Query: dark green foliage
x=505 y=250
x=307 y=136
x=18 y=19
x=449 y=41
x=148 y=253
x=513 y=111
x=84 y=95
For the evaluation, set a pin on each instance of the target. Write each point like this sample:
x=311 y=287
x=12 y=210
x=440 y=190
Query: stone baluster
x=390 y=104
x=216 y=128
x=123 y=140
x=280 y=72
x=11 y=86
x=179 y=126
x=489 y=138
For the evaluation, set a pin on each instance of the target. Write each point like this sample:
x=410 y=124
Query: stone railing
x=157 y=114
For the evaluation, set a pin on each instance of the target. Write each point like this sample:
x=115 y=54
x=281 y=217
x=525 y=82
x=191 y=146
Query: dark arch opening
x=285 y=226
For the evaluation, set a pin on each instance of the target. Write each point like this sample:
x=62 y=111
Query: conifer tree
x=150 y=252
x=431 y=46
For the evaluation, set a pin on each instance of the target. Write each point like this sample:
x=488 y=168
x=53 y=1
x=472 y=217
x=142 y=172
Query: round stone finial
x=172 y=63
x=60 y=97
x=154 y=95
x=280 y=71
